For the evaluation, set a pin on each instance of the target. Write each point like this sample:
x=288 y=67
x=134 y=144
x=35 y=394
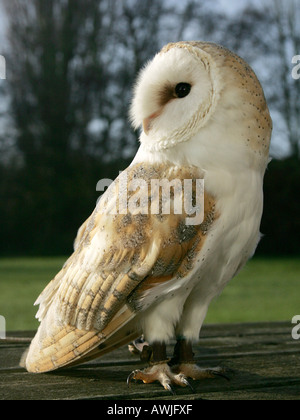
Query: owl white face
x=174 y=95
x=203 y=95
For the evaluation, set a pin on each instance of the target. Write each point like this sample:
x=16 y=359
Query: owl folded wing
x=119 y=260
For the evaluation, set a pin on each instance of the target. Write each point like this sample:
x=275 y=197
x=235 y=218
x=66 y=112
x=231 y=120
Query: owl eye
x=182 y=90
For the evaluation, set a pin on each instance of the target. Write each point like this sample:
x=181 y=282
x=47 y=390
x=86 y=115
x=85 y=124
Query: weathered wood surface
x=264 y=356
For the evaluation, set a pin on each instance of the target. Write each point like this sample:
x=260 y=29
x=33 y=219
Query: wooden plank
x=264 y=357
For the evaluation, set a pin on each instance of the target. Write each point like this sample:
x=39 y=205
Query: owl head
x=198 y=90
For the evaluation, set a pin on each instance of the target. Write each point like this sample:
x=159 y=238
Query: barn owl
x=203 y=116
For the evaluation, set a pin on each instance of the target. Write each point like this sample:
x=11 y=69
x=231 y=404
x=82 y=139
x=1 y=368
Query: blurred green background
x=70 y=68
x=267 y=289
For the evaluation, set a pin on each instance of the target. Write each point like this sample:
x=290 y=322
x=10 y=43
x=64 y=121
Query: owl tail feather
x=55 y=346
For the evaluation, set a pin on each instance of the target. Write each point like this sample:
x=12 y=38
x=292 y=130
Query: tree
x=56 y=82
x=287 y=18
x=72 y=65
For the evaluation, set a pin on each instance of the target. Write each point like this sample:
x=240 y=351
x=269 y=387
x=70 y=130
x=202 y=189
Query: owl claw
x=186 y=383
x=129 y=378
x=169 y=388
x=220 y=373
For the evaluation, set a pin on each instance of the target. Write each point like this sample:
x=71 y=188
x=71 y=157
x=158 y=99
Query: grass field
x=266 y=290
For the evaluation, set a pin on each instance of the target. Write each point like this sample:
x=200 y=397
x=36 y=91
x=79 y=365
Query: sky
x=231 y=6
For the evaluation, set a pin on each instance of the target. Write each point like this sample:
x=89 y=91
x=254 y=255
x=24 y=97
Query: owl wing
x=94 y=302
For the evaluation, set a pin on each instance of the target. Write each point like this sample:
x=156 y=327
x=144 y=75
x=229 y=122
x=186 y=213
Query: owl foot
x=159 y=370
x=174 y=372
x=162 y=373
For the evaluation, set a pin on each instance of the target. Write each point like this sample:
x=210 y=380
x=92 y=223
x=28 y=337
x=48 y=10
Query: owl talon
x=220 y=373
x=169 y=388
x=187 y=383
x=131 y=377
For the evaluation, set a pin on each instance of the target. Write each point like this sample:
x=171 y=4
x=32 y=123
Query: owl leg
x=159 y=370
x=183 y=363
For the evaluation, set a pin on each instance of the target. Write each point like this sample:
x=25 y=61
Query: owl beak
x=147 y=122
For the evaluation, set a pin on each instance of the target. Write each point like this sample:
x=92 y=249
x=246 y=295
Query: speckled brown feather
x=143 y=250
x=90 y=300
